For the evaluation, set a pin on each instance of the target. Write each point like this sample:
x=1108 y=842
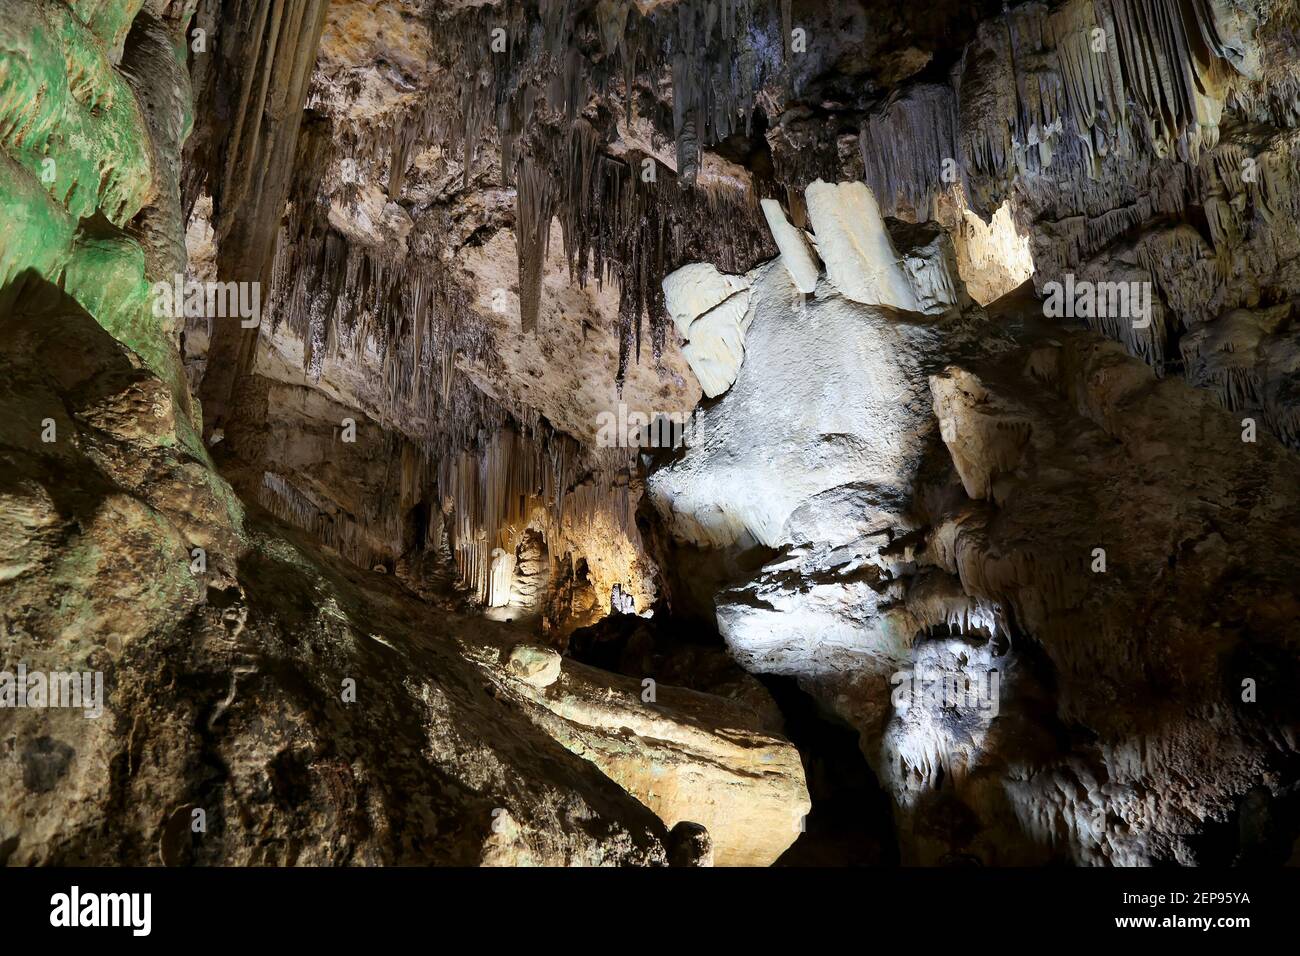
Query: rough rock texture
x=799 y=426
x=1021 y=575
x=1177 y=500
x=285 y=693
x=976 y=555
x=226 y=689
x=1133 y=140
x=686 y=755
x=538 y=666
x=89 y=156
x=256 y=689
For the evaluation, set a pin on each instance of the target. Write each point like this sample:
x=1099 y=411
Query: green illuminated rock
x=88 y=168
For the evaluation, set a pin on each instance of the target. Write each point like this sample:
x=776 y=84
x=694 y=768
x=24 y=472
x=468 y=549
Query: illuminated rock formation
x=687 y=756
x=679 y=432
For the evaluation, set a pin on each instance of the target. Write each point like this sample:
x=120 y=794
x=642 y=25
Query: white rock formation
x=717 y=344
x=796 y=252
x=534 y=665
x=937 y=517
x=946 y=701
x=815 y=450
x=712 y=311
x=861 y=261
x=694 y=289
x=827 y=398
x=986 y=435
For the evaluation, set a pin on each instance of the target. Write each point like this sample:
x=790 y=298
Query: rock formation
x=683 y=433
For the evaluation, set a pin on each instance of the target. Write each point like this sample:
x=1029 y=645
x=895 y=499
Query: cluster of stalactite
x=1061 y=88
x=921 y=121
x=523 y=477
x=1224 y=227
x=526 y=74
x=250 y=75
x=1099 y=121
x=624 y=218
x=560 y=53
x=628 y=220
x=347 y=303
x=515 y=476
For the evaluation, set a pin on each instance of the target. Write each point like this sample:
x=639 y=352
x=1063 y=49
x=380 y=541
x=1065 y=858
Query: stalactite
x=1061 y=90
x=627 y=225
x=535 y=193
x=528 y=72
x=521 y=477
x=256 y=83
x=1170 y=72
x=900 y=144
x=370 y=540
x=630 y=220
x=346 y=304
x=1096 y=97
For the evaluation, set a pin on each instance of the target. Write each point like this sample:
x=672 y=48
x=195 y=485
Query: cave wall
x=481 y=232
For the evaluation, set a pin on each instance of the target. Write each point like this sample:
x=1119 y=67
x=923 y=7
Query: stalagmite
x=500 y=577
x=513 y=481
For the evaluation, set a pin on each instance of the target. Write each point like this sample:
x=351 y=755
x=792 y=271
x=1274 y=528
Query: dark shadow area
x=851 y=821
x=56 y=363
